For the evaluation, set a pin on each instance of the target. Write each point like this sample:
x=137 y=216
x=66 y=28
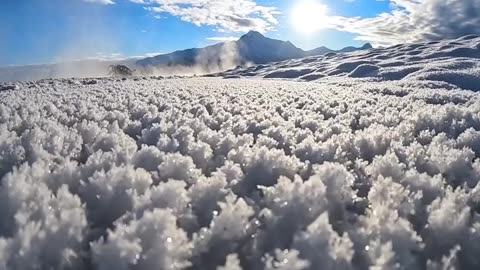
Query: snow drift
x=451 y=61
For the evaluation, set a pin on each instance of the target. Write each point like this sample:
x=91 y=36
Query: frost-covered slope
x=452 y=61
x=252 y=174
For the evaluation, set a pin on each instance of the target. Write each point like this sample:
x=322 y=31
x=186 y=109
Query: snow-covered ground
x=452 y=61
x=206 y=173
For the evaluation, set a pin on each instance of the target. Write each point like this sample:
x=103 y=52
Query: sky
x=46 y=31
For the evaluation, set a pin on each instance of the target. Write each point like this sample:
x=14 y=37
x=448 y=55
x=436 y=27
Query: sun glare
x=308 y=16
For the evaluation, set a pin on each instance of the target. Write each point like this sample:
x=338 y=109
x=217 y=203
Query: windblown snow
x=376 y=172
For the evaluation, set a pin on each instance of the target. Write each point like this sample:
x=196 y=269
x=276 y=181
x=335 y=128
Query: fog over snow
x=373 y=164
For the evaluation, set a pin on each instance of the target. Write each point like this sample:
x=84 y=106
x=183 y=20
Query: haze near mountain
x=251 y=48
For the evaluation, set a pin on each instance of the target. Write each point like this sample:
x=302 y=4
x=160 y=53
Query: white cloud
x=146 y=55
x=223 y=39
x=103 y=56
x=103 y=2
x=225 y=16
x=414 y=20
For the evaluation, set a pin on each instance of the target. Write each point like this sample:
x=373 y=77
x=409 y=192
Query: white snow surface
x=452 y=61
x=207 y=173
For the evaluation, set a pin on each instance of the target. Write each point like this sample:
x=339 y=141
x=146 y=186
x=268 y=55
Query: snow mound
x=452 y=61
x=364 y=70
x=245 y=174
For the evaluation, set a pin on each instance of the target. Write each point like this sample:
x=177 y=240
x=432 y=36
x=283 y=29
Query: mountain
x=319 y=51
x=256 y=48
x=324 y=50
x=367 y=46
x=252 y=47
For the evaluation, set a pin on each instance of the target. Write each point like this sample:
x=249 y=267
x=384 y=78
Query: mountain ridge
x=252 y=47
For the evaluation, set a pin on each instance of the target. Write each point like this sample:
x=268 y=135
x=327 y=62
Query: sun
x=308 y=16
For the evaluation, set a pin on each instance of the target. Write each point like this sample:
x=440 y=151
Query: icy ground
x=206 y=173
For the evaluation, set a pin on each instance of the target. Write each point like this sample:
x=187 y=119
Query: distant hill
x=82 y=68
x=252 y=47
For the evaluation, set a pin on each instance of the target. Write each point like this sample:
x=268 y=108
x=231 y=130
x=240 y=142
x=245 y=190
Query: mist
x=75 y=59
x=86 y=43
x=83 y=45
x=212 y=59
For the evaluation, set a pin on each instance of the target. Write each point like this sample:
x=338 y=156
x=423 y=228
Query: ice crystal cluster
x=239 y=174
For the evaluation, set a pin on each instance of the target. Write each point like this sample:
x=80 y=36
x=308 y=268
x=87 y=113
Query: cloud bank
x=225 y=16
x=407 y=21
x=223 y=39
x=414 y=20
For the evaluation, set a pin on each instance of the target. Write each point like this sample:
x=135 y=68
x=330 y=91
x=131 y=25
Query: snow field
x=239 y=174
x=450 y=61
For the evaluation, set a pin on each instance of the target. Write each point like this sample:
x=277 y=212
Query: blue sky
x=43 y=31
